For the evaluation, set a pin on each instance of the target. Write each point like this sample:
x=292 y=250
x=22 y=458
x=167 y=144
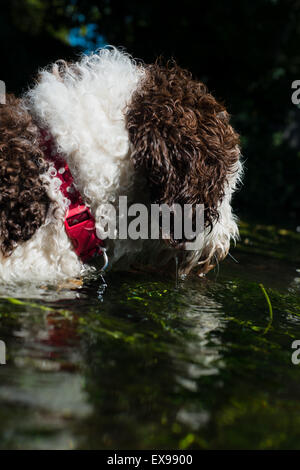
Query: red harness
x=79 y=222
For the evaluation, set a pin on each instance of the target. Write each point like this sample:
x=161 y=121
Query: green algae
x=205 y=364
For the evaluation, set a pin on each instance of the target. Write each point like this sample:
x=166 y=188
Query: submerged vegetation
x=141 y=363
x=271 y=241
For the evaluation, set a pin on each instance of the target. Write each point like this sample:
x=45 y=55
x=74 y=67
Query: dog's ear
x=182 y=139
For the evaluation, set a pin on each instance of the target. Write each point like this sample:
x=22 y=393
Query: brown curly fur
x=182 y=139
x=23 y=195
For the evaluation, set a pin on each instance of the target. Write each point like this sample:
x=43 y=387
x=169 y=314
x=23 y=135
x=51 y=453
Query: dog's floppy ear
x=182 y=139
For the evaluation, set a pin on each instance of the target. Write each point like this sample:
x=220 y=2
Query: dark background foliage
x=247 y=52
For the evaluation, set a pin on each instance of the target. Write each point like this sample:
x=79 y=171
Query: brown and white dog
x=151 y=133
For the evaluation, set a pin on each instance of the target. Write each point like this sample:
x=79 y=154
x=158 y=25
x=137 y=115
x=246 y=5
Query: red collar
x=79 y=222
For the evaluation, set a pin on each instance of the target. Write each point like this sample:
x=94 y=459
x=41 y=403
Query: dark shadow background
x=247 y=52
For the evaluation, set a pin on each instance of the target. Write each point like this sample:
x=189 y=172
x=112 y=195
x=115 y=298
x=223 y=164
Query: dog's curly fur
x=112 y=118
x=182 y=140
x=24 y=201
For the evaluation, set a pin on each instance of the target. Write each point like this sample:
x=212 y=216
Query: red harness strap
x=79 y=222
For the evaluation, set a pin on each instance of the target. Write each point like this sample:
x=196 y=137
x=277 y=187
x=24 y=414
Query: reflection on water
x=143 y=362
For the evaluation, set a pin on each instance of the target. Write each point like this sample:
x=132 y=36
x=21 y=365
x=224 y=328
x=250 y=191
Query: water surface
x=143 y=364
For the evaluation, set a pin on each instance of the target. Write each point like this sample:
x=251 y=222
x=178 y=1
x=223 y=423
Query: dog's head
x=184 y=144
